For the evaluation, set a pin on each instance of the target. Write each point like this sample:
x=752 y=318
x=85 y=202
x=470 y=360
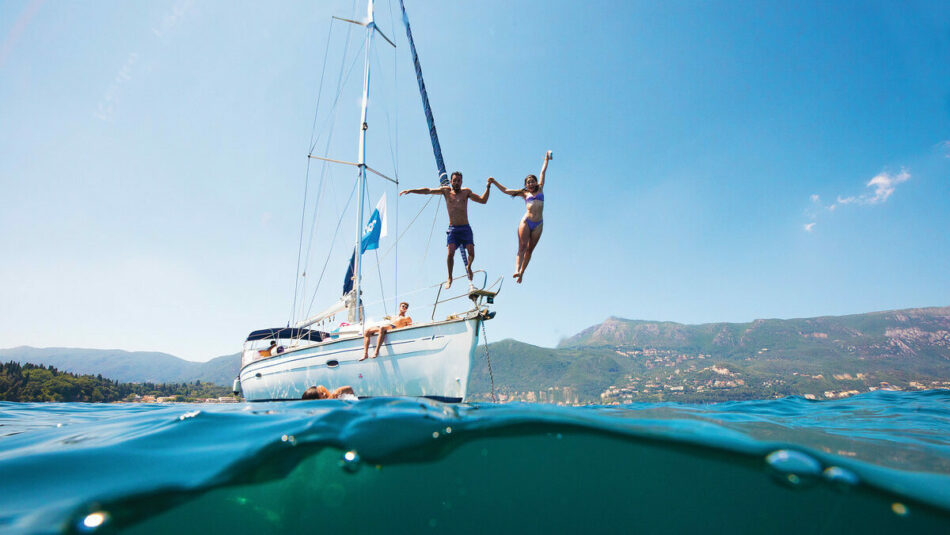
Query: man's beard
x=456 y=189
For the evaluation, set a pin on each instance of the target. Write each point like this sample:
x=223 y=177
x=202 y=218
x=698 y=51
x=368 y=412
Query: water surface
x=872 y=463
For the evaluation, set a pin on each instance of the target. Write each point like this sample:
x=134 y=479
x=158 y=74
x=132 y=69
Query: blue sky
x=713 y=161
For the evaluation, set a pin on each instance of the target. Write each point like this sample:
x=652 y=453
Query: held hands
x=549 y=156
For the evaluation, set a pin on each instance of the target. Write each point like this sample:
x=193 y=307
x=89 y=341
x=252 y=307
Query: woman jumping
x=529 y=230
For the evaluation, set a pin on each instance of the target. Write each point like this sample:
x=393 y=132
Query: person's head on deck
x=315 y=392
x=531 y=183
x=457 y=181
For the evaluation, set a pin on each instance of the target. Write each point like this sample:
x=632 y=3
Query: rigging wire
x=334 y=113
x=323 y=72
x=393 y=158
x=379 y=271
x=491 y=375
x=346 y=47
x=340 y=83
x=434 y=218
x=393 y=151
x=403 y=233
x=306 y=186
x=332 y=241
x=395 y=135
x=297 y=275
x=332 y=119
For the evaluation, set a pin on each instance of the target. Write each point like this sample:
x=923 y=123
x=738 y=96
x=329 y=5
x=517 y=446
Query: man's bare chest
x=455 y=201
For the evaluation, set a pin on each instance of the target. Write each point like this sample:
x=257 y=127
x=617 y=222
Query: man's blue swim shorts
x=459 y=235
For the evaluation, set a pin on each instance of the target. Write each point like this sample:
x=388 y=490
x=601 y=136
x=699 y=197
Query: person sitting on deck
x=321 y=392
x=269 y=352
x=402 y=320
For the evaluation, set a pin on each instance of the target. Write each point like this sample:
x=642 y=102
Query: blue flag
x=375 y=229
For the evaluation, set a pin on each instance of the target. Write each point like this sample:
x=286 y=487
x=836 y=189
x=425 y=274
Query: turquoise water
x=874 y=463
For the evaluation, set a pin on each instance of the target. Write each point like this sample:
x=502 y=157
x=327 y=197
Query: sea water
x=873 y=463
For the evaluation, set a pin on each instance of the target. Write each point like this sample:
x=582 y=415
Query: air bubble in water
x=792 y=467
x=899 y=509
x=840 y=477
x=93 y=521
x=351 y=461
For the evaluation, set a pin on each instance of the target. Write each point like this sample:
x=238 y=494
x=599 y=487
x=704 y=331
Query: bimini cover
x=288 y=333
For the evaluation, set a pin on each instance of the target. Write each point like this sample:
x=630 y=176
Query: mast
x=354 y=303
x=356 y=310
x=358 y=266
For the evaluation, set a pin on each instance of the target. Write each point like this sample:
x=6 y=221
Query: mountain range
x=129 y=366
x=623 y=360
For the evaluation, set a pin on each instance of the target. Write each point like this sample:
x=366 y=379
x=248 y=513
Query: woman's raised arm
x=544 y=169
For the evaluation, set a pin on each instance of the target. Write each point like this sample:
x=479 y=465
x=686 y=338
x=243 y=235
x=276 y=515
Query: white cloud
x=884 y=185
x=945 y=145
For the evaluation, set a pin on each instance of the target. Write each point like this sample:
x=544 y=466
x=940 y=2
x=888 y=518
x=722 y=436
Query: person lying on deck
x=321 y=392
x=402 y=320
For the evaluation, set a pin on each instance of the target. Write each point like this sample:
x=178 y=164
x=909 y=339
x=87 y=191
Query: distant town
x=675 y=376
x=178 y=399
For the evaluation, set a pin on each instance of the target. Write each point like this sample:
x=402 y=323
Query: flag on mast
x=374 y=230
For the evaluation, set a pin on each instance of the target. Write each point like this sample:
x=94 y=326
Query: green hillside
x=129 y=366
x=623 y=360
x=32 y=383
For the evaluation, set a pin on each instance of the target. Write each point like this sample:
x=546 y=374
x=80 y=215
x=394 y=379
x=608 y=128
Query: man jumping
x=459 y=233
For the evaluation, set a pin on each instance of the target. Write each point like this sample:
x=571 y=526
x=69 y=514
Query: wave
x=879 y=461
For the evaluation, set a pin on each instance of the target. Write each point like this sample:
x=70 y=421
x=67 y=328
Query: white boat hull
x=431 y=360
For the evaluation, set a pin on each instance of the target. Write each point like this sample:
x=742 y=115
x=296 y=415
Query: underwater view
x=878 y=462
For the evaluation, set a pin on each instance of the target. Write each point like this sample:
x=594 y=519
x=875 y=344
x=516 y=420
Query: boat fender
x=236 y=388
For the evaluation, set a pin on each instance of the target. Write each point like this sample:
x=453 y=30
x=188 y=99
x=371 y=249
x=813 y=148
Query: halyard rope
x=491 y=375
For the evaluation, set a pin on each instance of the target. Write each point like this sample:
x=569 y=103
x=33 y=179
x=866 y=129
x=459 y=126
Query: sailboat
x=431 y=358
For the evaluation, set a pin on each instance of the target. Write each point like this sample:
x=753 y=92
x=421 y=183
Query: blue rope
x=433 y=135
